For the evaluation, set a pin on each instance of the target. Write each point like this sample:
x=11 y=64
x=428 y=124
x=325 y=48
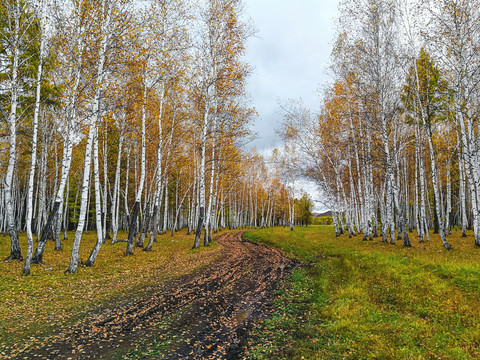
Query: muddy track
x=208 y=313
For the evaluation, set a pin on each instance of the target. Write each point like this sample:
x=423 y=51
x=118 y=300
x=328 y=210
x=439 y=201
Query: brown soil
x=206 y=315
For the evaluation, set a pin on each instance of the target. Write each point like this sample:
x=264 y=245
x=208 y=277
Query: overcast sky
x=289 y=55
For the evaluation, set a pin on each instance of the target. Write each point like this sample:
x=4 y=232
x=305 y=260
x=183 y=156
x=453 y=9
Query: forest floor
x=302 y=294
x=203 y=315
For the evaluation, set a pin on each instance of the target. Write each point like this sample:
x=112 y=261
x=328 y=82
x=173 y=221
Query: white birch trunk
x=116 y=192
x=371 y=206
x=436 y=191
x=75 y=258
x=468 y=170
x=158 y=196
x=68 y=145
x=33 y=163
x=214 y=222
x=125 y=193
x=41 y=216
x=448 y=208
x=105 y=234
x=166 y=207
x=390 y=180
x=463 y=205
x=15 y=252
x=362 y=200
x=191 y=216
x=179 y=207
x=402 y=223
x=201 y=185
x=423 y=201
x=416 y=206
x=138 y=197
x=208 y=235
x=66 y=213
x=98 y=206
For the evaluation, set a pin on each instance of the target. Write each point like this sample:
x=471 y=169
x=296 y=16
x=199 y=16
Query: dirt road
x=205 y=315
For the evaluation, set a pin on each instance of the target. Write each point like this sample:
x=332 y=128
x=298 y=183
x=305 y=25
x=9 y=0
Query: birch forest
x=395 y=147
x=239 y=179
x=127 y=115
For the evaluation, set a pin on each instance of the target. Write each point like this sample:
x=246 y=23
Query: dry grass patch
x=34 y=306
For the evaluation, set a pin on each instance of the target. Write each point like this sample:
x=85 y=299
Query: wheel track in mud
x=215 y=308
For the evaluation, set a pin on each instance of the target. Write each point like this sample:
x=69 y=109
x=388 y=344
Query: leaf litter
x=204 y=315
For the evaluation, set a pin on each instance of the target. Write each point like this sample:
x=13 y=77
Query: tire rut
x=213 y=310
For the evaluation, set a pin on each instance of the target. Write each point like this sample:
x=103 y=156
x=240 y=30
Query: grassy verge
x=368 y=300
x=31 y=307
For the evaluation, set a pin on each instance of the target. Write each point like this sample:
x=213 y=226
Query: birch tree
x=70 y=44
x=138 y=197
x=426 y=83
x=220 y=48
x=42 y=10
x=454 y=33
x=105 y=23
x=13 y=38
